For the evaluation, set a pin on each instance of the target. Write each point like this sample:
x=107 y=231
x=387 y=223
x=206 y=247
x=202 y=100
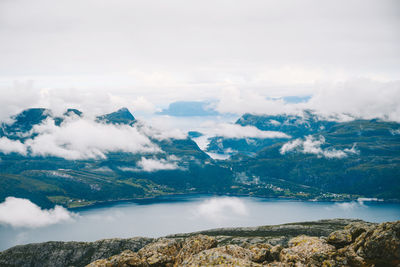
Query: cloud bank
x=311 y=145
x=20 y=212
x=80 y=138
x=357 y=98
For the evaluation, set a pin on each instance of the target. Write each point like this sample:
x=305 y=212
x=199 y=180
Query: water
x=187 y=214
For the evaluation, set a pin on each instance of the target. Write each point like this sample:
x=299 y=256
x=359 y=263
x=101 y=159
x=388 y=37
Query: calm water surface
x=187 y=214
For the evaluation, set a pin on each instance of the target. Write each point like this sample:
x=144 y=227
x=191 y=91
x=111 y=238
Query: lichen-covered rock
x=160 y=253
x=307 y=250
x=342 y=238
x=157 y=254
x=357 y=228
x=194 y=245
x=230 y=255
x=380 y=245
x=124 y=259
x=357 y=244
x=275 y=252
x=261 y=252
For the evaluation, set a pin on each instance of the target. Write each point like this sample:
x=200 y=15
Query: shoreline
x=186 y=197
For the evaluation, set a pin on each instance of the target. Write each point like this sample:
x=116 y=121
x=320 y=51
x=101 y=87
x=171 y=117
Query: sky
x=99 y=55
x=240 y=56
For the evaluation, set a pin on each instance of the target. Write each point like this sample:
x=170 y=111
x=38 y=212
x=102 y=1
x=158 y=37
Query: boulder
x=342 y=238
x=194 y=245
x=307 y=250
x=125 y=258
x=160 y=253
x=275 y=252
x=379 y=245
x=230 y=255
x=261 y=253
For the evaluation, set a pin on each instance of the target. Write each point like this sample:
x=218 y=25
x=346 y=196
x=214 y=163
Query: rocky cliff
x=68 y=253
x=321 y=243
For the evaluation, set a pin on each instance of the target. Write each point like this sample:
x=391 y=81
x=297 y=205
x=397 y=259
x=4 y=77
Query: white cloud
x=153 y=164
x=310 y=145
x=8 y=146
x=349 y=206
x=230 y=130
x=80 y=138
x=211 y=129
x=235 y=100
x=395 y=132
x=19 y=212
x=362 y=98
x=139 y=104
x=221 y=209
x=346 y=100
x=219 y=156
x=164 y=133
x=142 y=104
x=124 y=36
x=253 y=48
x=128 y=169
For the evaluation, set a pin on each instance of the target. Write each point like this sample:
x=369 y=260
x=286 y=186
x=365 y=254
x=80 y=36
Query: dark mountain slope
x=357 y=157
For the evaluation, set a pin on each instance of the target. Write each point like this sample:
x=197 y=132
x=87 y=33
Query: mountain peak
x=121 y=116
x=25 y=120
x=73 y=111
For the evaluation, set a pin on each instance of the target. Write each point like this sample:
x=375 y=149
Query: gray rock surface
x=273 y=234
x=68 y=253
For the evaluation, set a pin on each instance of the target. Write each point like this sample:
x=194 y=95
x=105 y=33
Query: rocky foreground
x=322 y=243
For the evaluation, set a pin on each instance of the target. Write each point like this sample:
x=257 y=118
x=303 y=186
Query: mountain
x=359 y=157
x=173 y=166
x=337 y=242
x=121 y=116
x=24 y=122
x=292 y=125
x=71 y=161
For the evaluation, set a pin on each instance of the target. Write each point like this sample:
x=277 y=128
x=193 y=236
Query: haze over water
x=188 y=214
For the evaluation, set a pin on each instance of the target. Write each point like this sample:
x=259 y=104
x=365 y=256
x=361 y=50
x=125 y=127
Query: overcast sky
x=100 y=54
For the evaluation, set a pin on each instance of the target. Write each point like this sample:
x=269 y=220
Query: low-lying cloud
x=80 y=138
x=234 y=131
x=349 y=206
x=220 y=209
x=311 y=145
x=154 y=164
x=9 y=146
x=151 y=165
x=164 y=133
x=20 y=212
x=230 y=130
